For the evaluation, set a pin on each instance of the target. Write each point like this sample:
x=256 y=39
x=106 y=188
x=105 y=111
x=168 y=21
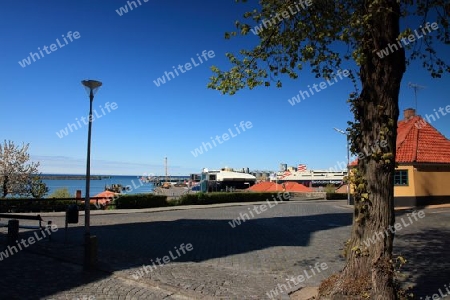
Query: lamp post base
x=90 y=252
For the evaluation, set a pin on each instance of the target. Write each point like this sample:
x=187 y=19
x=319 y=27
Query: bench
x=13 y=233
x=25 y=217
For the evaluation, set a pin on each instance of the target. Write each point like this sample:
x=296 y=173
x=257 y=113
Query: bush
x=221 y=197
x=330 y=188
x=336 y=196
x=136 y=201
x=61 y=193
x=19 y=205
x=141 y=201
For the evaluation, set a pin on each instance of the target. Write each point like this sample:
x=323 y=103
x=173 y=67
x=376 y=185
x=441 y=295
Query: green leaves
x=314 y=36
x=300 y=36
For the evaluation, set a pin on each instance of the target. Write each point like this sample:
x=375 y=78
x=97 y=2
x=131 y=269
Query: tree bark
x=369 y=269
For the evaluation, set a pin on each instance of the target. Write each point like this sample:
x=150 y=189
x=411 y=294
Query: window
x=401 y=177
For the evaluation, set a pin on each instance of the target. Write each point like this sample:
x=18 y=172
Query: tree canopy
x=324 y=34
x=61 y=193
x=378 y=39
x=18 y=175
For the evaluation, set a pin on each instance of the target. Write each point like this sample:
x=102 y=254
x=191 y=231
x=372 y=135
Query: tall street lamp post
x=348 y=163
x=92 y=87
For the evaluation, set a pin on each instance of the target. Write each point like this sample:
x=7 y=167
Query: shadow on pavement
x=124 y=246
x=428 y=253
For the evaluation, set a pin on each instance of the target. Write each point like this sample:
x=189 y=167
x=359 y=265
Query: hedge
x=136 y=201
x=21 y=205
x=224 y=197
x=141 y=201
x=336 y=196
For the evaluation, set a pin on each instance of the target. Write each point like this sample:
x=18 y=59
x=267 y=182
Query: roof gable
x=418 y=141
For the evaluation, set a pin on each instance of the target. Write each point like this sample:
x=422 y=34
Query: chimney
x=409 y=113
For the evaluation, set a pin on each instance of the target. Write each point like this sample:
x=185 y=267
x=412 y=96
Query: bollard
x=72 y=214
x=90 y=252
x=48 y=228
x=13 y=232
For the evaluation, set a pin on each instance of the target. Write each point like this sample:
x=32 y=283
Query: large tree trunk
x=369 y=270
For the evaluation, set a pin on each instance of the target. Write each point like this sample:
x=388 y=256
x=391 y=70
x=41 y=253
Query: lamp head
x=91 y=86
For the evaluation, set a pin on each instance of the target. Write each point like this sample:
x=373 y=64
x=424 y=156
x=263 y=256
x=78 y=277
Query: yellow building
x=423 y=156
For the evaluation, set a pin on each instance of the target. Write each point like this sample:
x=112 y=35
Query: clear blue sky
x=127 y=53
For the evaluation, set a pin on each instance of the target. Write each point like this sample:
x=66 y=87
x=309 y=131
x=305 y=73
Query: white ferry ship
x=225 y=179
x=311 y=178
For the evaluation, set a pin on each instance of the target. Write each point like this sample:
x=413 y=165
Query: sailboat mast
x=165 y=164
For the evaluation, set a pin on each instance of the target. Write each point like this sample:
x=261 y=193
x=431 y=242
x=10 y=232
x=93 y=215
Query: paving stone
x=245 y=262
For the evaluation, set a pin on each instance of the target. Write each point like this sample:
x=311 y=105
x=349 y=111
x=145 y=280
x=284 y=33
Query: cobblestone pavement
x=244 y=262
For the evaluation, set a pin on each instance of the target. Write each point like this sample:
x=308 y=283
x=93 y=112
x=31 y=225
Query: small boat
x=117 y=188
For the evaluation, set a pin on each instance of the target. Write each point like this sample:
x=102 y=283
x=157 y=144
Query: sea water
x=97 y=186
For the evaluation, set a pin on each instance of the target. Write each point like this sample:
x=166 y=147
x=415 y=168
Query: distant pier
x=72 y=177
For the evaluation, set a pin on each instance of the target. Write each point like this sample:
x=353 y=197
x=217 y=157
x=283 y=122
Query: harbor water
x=134 y=184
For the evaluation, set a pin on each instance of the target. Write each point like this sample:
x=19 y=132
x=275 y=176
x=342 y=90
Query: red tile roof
x=418 y=141
x=297 y=187
x=272 y=187
x=106 y=195
x=261 y=187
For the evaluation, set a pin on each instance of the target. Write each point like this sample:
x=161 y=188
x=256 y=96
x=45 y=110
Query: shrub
x=61 y=193
x=19 y=205
x=141 y=201
x=223 y=197
x=330 y=188
x=135 y=201
x=336 y=196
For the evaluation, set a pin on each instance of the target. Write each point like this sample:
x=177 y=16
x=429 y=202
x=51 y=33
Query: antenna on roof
x=415 y=87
